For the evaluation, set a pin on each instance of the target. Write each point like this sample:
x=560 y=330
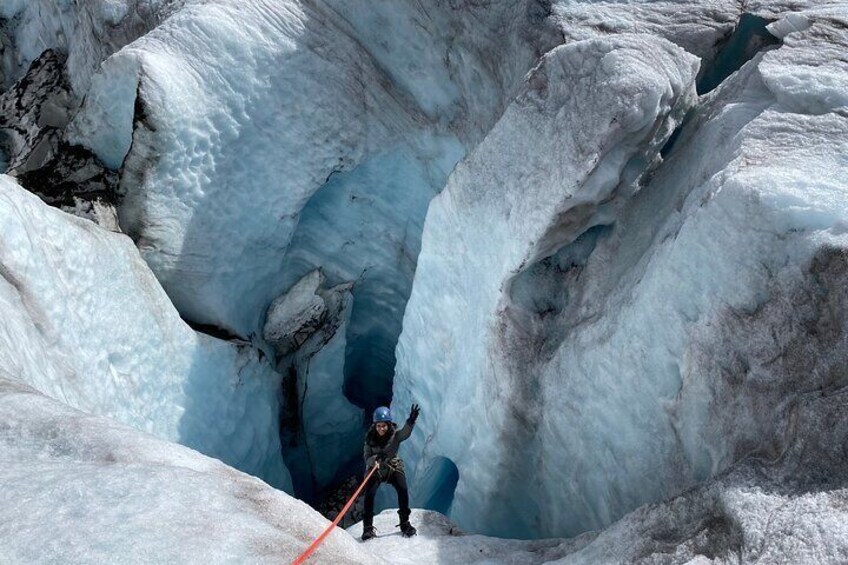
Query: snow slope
x=441 y=541
x=621 y=350
x=85 y=322
x=84 y=489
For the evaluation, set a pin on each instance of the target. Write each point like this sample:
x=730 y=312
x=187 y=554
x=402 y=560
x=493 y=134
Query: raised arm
x=406 y=430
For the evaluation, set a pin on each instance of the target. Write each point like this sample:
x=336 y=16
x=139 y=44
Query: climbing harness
x=389 y=466
x=320 y=539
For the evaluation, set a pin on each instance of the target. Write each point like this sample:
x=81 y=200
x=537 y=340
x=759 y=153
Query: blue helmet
x=382 y=414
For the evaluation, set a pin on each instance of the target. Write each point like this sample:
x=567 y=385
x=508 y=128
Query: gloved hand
x=413 y=414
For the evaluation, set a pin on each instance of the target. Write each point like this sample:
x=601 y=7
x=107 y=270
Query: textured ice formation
x=224 y=156
x=85 y=322
x=597 y=110
x=321 y=430
x=230 y=147
x=87 y=32
x=258 y=141
x=583 y=363
x=85 y=489
x=295 y=316
x=698 y=27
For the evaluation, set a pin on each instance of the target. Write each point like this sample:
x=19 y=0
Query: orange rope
x=305 y=555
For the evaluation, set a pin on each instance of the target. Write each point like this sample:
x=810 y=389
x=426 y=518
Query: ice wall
x=597 y=110
x=585 y=360
x=258 y=141
x=364 y=226
x=221 y=157
x=86 y=323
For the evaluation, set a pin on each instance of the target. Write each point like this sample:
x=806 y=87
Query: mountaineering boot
x=368 y=533
x=407 y=529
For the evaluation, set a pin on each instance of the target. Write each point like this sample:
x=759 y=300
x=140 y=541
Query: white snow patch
x=84 y=489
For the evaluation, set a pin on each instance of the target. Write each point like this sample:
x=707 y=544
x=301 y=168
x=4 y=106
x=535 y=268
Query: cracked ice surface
x=86 y=322
x=664 y=344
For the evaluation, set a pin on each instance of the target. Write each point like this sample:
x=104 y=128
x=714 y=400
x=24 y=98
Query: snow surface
x=441 y=541
x=618 y=352
x=85 y=489
x=85 y=322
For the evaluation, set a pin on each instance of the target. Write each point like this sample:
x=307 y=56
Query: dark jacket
x=385 y=448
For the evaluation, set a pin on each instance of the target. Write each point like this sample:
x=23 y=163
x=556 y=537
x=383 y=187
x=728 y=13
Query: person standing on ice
x=381 y=447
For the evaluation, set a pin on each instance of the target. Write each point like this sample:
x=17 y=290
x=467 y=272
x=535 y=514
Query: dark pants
x=397 y=480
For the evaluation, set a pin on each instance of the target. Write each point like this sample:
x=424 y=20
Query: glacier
x=603 y=243
x=203 y=145
x=200 y=135
x=119 y=494
x=120 y=349
x=80 y=488
x=620 y=348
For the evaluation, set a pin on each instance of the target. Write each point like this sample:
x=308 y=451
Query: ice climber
x=381 y=447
